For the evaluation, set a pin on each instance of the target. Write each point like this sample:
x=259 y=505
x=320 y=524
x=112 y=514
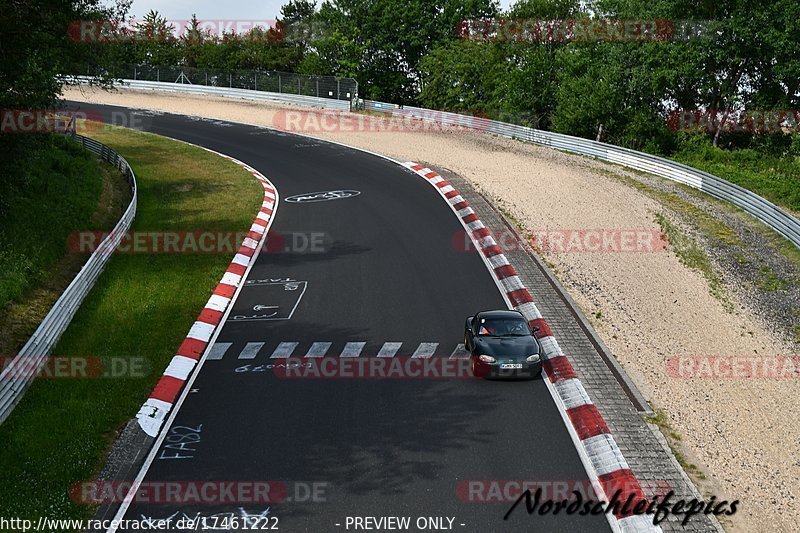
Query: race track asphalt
x=380 y=267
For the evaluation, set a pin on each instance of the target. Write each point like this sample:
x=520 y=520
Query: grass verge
x=674 y=440
x=775 y=178
x=41 y=285
x=142 y=306
x=34 y=218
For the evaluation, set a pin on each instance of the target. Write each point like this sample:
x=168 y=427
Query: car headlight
x=533 y=358
x=486 y=358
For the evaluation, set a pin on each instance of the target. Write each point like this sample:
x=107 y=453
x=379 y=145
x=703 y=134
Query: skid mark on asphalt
x=287 y=349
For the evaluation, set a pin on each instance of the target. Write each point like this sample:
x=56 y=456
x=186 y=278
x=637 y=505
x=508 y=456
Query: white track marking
x=218 y=350
x=353 y=349
x=318 y=349
x=284 y=350
x=425 y=350
x=459 y=353
x=250 y=350
x=389 y=349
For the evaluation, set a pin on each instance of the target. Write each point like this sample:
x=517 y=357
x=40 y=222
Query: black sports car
x=501 y=344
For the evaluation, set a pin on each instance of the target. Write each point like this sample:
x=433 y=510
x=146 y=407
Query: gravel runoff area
x=649 y=308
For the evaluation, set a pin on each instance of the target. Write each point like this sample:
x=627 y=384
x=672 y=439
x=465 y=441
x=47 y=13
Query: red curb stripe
x=625 y=482
x=544 y=329
x=469 y=218
x=519 y=297
x=167 y=389
x=236 y=268
x=442 y=184
x=587 y=421
x=558 y=368
x=254 y=235
x=451 y=194
x=260 y=222
x=491 y=251
x=481 y=233
x=192 y=348
x=223 y=289
x=210 y=316
x=505 y=271
x=246 y=250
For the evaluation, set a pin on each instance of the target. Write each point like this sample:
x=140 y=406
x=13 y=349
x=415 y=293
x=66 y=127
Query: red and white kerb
x=154 y=411
x=605 y=461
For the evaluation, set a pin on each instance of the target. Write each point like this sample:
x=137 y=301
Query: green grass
x=674 y=440
x=142 y=306
x=692 y=256
x=775 y=178
x=53 y=193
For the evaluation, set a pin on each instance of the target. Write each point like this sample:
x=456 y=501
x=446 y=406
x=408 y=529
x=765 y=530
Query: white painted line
x=151 y=414
x=425 y=350
x=498 y=260
x=475 y=225
x=529 y=311
x=217 y=302
x=201 y=331
x=250 y=351
x=550 y=347
x=572 y=393
x=241 y=259
x=352 y=349
x=604 y=454
x=318 y=349
x=231 y=279
x=284 y=350
x=459 y=353
x=218 y=350
x=455 y=200
x=389 y=349
x=250 y=243
x=485 y=243
x=180 y=367
x=512 y=283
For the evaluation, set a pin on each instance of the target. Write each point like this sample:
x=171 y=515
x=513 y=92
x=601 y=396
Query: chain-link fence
x=254 y=80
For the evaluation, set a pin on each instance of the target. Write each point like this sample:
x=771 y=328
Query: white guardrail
x=762 y=209
x=21 y=371
x=232 y=92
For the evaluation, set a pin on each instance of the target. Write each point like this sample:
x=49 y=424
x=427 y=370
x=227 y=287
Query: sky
x=217 y=9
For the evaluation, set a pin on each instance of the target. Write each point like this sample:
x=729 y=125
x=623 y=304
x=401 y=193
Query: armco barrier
x=762 y=209
x=248 y=94
x=20 y=372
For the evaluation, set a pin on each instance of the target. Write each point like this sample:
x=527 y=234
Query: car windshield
x=503 y=327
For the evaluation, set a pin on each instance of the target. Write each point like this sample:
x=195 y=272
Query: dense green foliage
x=34 y=218
x=744 y=56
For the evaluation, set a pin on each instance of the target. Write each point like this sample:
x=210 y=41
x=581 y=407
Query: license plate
x=510 y=365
